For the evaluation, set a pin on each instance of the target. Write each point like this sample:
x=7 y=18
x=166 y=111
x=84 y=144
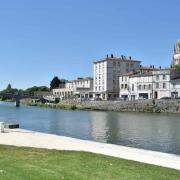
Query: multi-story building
x=107 y=72
x=149 y=83
x=79 y=88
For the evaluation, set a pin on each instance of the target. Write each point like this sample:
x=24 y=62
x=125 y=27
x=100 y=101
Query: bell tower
x=176 y=55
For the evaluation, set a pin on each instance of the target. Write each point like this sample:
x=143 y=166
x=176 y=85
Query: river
x=158 y=132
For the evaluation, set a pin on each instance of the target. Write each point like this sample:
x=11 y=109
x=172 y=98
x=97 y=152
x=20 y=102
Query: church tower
x=176 y=56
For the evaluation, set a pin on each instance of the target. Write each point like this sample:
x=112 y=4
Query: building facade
x=150 y=84
x=107 y=72
x=79 y=88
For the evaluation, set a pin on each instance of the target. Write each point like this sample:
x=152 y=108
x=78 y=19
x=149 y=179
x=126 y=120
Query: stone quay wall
x=157 y=106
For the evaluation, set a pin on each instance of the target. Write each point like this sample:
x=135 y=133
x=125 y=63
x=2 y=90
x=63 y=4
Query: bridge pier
x=17 y=102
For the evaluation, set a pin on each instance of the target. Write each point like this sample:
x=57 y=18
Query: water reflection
x=149 y=131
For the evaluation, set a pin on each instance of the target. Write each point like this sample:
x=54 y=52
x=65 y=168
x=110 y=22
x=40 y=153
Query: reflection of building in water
x=136 y=130
x=104 y=127
x=99 y=128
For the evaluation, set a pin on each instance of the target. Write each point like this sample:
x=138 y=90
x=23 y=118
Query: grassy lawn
x=40 y=164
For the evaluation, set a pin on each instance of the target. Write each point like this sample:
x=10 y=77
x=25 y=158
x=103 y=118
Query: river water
x=159 y=132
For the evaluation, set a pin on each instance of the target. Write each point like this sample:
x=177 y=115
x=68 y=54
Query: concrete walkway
x=25 y=138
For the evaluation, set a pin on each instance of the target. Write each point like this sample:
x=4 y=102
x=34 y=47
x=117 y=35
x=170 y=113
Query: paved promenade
x=25 y=138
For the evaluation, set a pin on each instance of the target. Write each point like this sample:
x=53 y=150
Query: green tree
x=55 y=82
x=177 y=67
x=32 y=90
x=9 y=89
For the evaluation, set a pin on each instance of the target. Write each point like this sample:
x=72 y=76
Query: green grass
x=40 y=164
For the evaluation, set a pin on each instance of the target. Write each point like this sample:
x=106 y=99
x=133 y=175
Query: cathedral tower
x=176 y=56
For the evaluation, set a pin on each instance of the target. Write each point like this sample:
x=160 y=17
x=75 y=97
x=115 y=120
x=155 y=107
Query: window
x=157 y=85
x=114 y=63
x=157 y=77
x=132 y=87
x=125 y=86
x=122 y=86
x=119 y=64
x=127 y=64
x=139 y=87
x=149 y=86
x=164 y=77
x=144 y=87
x=174 y=85
x=164 y=85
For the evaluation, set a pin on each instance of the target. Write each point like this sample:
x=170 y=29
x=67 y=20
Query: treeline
x=54 y=83
x=28 y=91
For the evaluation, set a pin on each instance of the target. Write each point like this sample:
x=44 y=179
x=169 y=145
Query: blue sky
x=40 y=38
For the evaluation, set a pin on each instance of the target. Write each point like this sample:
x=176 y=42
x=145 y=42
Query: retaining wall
x=169 y=106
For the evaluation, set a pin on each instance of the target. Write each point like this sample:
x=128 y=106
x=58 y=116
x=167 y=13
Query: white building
x=79 y=88
x=107 y=72
x=175 y=87
x=146 y=83
x=161 y=83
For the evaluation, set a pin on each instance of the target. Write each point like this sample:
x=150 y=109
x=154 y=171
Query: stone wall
x=169 y=106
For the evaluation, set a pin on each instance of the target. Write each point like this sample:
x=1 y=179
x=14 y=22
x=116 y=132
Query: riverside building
x=107 y=72
x=79 y=88
x=150 y=83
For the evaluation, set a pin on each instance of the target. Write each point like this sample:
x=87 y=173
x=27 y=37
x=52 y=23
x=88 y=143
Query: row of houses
x=124 y=77
x=150 y=83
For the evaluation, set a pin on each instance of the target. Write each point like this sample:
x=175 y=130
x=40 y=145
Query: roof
x=122 y=59
x=81 y=79
x=176 y=78
x=143 y=71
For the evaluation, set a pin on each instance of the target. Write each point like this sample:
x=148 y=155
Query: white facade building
x=175 y=87
x=106 y=75
x=81 y=88
x=146 y=83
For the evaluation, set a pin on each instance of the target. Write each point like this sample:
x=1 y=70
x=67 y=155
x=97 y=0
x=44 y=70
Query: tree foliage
x=55 y=83
x=32 y=90
x=9 y=89
x=177 y=67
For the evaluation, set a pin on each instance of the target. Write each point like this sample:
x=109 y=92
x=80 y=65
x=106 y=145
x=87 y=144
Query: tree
x=8 y=88
x=55 y=83
x=11 y=90
x=177 y=67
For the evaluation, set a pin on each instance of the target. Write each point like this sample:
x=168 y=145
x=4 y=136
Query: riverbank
x=152 y=106
x=31 y=163
x=25 y=138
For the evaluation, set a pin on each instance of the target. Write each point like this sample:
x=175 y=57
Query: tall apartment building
x=107 y=72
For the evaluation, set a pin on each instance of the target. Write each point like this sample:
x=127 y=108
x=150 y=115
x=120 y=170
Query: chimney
x=159 y=67
x=107 y=56
x=122 y=57
x=130 y=57
x=112 y=56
